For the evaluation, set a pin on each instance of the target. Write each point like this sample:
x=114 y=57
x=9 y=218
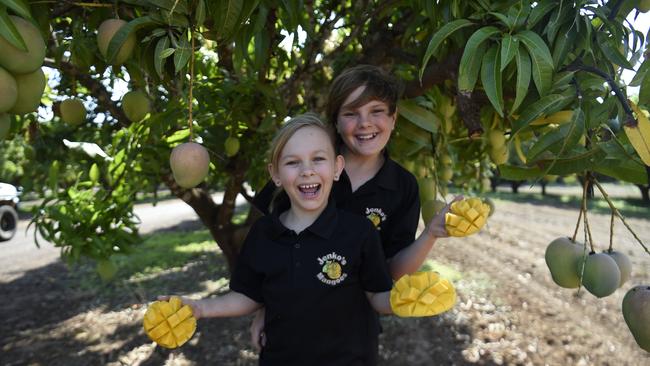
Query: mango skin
x=135 y=105
x=105 y=33
x=623 y=263
x=430 y=208
x=562 y=258
x=601 y=275
x=190 y=163
x=30 y=90
x=17 y=61
x=8 y=90
x=73 y=111
x=636 y=311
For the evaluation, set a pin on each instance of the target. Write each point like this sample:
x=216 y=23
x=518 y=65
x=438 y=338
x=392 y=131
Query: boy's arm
x=229 y=305
x=380 y=301
x=410 y=259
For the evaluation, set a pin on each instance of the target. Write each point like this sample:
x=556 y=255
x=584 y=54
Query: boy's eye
x=378 y=111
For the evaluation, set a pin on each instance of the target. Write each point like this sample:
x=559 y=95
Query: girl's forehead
x=309 y=138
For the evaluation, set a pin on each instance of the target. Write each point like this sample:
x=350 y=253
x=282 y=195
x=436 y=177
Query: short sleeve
x=374 y=274
x=407 y=219
x=262 y=200
x=245 y=279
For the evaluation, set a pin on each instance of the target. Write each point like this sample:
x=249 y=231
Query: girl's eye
x=291 y=162
x=320 y=158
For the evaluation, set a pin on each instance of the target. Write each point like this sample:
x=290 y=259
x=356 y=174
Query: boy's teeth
x=366 y=137
x=308 y=186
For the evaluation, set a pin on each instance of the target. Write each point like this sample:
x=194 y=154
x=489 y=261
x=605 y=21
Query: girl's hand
x=194 y=304
x=257 y=330
x=437 y=227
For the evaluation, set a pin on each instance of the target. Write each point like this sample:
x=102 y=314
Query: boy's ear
x=340 y=164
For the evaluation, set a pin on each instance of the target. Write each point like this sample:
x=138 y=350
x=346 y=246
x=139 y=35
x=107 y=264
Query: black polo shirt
x=313 y=287
x=390 y=200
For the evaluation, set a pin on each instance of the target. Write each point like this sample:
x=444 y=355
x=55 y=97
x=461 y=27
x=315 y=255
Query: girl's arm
x=410 y=259
x=231 y=304
x=380 y=301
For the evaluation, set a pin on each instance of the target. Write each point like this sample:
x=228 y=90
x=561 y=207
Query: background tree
x=518 y=88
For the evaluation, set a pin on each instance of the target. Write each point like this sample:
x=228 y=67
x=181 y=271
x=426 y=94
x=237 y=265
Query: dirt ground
x=508 y=312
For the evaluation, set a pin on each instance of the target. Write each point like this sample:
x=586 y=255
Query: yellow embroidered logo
x=376 y=216
x=332 y=269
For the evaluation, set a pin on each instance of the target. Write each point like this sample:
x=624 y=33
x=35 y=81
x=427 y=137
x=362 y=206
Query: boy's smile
x=366 y=129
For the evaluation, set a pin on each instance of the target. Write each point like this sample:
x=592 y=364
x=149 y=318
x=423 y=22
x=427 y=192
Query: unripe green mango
x=105 y=33
x=30 y=90
x=562 y=257
x=231 y=146
x=636 y=312
x=430 y=208
x=5 y=125
x=499 y=155
x=623 y=263
x=496 y=138
x=73 y=111
x=427 y=187
x=190 y=163
x=490 y=203
x=601 y=275
x=447 y=173
x=135 y=105
x=17 y=61
x=106 y=269
x=8 y=91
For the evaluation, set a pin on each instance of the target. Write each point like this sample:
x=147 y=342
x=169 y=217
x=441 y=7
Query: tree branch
x=469 y=111
x=434 y=74
x=95 y=88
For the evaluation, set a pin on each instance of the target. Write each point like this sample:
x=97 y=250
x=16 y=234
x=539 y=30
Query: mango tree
x=521 y=88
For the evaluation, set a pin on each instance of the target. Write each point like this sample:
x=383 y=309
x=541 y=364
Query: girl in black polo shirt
x=318 y=271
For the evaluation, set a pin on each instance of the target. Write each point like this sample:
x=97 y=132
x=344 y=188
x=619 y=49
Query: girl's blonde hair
x=290 y=127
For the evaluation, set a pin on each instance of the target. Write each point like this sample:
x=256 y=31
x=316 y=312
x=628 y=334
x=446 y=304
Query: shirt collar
x=386 y=177
x=323 y=226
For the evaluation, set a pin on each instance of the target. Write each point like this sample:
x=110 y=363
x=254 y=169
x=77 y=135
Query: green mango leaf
x=563 y=45
x=562 y=80
x=523 y=77
x=123 y=33
x=542 y=8
x=541 y=58
x=504 y=19
x=9 y=32
x=178 y=136
x=609 y=46
x=438 y=37
x=167 y=52
x=641 y=73
x=199 y=13
x=470 y=63
x=19 y=7
x=231 y=9
x=182 y=54
x=491 y=78
x=419 y=116
x=561 y=139
x=509 y=47
x=644 y=91
x=545 y=105
x=512 y=172
x=587 y=160
x=159 y=59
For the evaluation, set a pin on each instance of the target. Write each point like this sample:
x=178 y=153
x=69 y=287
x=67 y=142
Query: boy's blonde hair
x=290 y=127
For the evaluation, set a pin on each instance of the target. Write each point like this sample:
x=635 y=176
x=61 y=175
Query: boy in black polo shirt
x=318 y=271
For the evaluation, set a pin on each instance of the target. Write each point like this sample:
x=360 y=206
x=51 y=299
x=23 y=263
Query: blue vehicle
x=8 y=210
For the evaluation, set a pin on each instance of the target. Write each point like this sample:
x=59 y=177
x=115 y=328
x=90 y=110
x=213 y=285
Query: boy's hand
x=437 y=227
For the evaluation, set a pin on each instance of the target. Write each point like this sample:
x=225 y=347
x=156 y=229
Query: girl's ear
x=274 y=175
x=340 y=164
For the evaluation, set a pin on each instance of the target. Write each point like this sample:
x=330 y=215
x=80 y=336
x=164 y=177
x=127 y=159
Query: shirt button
x=297 y=245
